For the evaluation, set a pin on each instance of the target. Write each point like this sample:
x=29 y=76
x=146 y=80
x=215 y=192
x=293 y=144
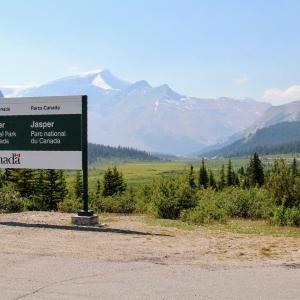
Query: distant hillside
x=289 y=112
x=107 y=153
x=280 y=138
x=1 y=95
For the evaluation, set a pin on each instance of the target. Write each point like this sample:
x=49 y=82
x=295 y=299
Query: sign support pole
x=85 y=196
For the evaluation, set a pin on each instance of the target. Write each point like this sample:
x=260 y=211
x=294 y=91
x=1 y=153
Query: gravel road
x=43 y=257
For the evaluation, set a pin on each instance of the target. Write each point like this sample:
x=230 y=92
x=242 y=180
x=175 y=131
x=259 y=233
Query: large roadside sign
x=43 y=132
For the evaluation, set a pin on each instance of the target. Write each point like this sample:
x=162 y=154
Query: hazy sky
x=200 y=48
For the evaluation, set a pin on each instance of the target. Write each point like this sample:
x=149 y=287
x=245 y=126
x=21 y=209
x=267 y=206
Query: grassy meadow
x=141 y=173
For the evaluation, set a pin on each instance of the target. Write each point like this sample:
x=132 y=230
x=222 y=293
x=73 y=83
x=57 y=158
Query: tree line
x=198 y=195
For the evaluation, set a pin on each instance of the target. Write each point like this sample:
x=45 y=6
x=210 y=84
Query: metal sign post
x=84 y=122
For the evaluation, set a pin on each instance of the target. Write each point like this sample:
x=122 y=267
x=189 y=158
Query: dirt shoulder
x=131 y=238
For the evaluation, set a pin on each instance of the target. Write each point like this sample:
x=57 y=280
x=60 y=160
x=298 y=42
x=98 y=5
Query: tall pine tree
x=230 y=176
x=78 y=185
x=191 y=177
x=203 y=176
x=255 y=171
x=294 y=167
x=222 y=181
x=52 y=189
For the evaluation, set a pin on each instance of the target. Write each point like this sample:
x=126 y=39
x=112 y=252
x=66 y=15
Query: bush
x=206 y=212
x=70 y=205
x=253 y=203
x=286 y=216
x=170 y=196
x=143 y=199
x=10 y=201
x=119 y=203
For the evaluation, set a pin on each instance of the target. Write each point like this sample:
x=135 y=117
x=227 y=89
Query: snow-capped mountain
x=152 y=118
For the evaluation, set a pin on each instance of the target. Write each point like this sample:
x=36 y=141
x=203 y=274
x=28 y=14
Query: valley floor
x=134 y=257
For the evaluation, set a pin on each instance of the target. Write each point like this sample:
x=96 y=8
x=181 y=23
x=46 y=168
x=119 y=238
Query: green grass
x=239 y=226
x=141 y=173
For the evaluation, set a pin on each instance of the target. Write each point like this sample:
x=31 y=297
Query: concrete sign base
x=85 y=220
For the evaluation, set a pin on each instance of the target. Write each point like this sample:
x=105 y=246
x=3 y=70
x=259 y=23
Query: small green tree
x=281 y=185
x=113 y=182
x=294 y=167
x=255 y=171
x=211 y=180
x=222 y=182
x=191 y=177
x=52 y=189
x=230 y=176
x=203 y=176
x=78 y=185
x=62 y=189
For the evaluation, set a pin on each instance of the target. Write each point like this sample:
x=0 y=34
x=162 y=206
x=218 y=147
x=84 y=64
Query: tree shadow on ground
x=82 y=228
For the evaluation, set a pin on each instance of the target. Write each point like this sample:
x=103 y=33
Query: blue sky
x=200 y=48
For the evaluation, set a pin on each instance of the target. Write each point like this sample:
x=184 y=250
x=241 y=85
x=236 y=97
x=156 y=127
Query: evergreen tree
x=113 y=182
x=241 y=171
x=203 y=176
x=62 y=185
x=222 y=182
x=24 y=180
x=191 y=177
x=107 y=183
x=119 y=185
x=211 y=180
x=255 y=171
x=98 y=189
x=78 y=185
x=230 y=176
x=294 y=167
x=52 y=189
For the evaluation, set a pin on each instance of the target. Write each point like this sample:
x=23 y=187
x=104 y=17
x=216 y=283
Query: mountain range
x=276 y=131
x=156 y=119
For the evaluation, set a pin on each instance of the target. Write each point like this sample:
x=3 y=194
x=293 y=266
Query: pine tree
x=222 y=182
x=119 y=185
x=113 y=182
x=107 y=183
x=78 y=185
x=191 y=177
x=255 y=171
x=52 y=190
x=98 y=189
x=230 y=176
x=62 y=186
x=24 y=180
x=241 y=171
x=203 y=176
x=211 y=180
x=294 y=167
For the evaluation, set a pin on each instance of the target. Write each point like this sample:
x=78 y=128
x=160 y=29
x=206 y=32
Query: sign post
x=47 y=133
x=84 y=124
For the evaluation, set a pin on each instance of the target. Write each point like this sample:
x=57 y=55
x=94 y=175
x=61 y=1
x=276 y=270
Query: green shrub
x=143 y=199
x=170 y=196
x=70 y=205
x=119 y=203
x=206 y=212
x=286 y=216
x=10 y=201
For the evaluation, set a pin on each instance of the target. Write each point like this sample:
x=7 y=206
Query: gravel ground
x=43 y=257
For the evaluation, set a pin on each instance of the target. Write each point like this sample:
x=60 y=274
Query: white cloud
x=278 y=96
x=242 y=79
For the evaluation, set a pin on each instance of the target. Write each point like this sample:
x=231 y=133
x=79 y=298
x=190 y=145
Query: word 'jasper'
x=42 y=124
